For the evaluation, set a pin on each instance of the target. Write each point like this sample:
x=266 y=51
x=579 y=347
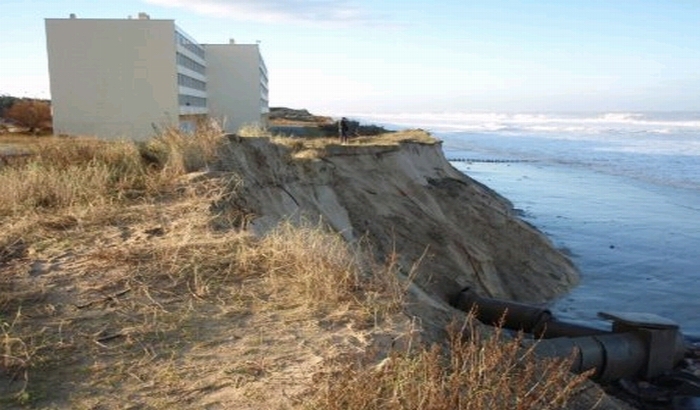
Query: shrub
x=33 y=114
x=6 y=101
x=354 y=129
x=179 y=152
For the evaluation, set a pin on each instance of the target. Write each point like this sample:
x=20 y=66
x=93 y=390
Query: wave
x=576 y=123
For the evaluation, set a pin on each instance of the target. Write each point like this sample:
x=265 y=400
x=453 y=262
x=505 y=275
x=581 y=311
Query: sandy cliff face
x=408 y=199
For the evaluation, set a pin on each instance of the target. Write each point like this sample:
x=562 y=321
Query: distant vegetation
x=300 y=122
x=33 y=115
x=282 y=114
x=6 y=101
x=355 y=129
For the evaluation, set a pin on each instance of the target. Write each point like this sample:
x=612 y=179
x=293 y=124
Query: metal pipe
x=556 y=328
x=511 y=315
x=639 y=344
x=518 y=316
x=613 y=356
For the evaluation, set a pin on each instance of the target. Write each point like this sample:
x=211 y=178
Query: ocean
x=618 y=192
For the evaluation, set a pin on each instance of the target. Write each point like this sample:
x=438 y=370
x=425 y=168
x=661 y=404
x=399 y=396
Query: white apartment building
x=129 y=78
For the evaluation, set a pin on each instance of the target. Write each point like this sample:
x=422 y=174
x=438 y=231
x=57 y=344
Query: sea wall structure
x=117 y=78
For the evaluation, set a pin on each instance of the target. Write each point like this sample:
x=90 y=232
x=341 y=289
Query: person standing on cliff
x=343 y=130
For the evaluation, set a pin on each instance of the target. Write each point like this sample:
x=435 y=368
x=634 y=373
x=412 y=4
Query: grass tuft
x=253 y=130
x=484 y=370
x=68 y=172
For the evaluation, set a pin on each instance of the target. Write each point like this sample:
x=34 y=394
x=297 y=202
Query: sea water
x=618 y=192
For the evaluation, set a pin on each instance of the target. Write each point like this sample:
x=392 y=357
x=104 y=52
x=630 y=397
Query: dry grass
x=314 y=148
x=115 y=284
x=183 y=152
x=294 y=267
x=309 y=268
x=387 y=139
x=479 y=371
x=69 y=172
x=253 y=131
x=144 y=315
x=395 y=138
x=17 y=140
x=56 y=207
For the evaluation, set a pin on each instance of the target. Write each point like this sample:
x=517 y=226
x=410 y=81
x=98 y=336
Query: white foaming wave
x=657 y=146
x=621 y=117
x=640 y=119
x=552 y=128
x=541 y=123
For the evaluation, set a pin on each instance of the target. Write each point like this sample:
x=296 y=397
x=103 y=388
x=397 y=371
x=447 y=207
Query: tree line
x=32 y=114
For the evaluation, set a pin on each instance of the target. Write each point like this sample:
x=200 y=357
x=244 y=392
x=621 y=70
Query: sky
x=409 y=56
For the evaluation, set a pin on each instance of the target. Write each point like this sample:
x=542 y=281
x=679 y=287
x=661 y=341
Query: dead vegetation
x=319 y=147
x=34 y=115
x=117 y=290
x=474 y=370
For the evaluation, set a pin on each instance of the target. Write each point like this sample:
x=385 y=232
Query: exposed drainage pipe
x=519 y=316
x=642 y=345
x=613 y=356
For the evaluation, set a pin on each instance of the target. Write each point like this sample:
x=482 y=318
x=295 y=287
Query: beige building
x=132 y=77
x=237 y=75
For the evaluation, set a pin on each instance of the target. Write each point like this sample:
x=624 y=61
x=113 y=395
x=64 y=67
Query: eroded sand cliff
x=404 y=198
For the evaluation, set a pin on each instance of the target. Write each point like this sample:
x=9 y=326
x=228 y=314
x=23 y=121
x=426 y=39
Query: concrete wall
x=112 y=78
x=236 y=86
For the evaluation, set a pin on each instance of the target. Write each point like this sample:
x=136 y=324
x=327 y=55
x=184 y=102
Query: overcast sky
x=337 y=56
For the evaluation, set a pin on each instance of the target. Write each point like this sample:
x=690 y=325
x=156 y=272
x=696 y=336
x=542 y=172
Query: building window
x=189 y=82
x=188 y=126
x=184 y=61
x=195 y=48
x=191 y=101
